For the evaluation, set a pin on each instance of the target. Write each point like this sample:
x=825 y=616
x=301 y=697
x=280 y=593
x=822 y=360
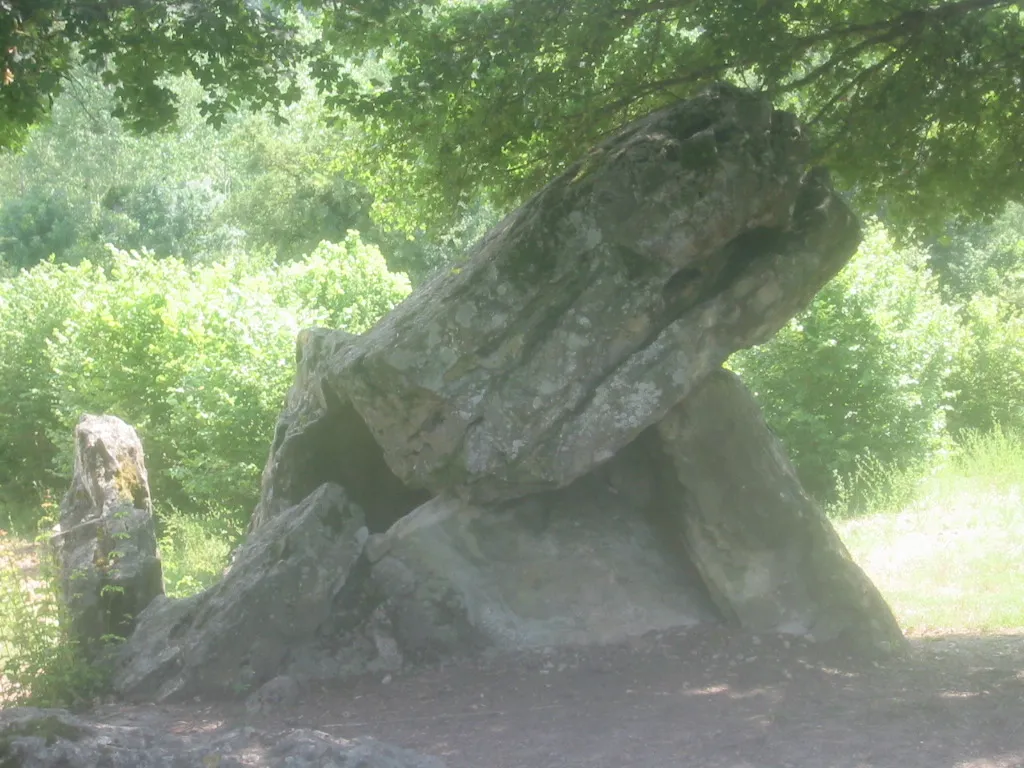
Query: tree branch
x=856 y=83
x=836 y=59
x=908 y=20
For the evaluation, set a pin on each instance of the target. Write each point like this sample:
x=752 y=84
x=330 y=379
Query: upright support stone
x=768 y=555
x=106 y=541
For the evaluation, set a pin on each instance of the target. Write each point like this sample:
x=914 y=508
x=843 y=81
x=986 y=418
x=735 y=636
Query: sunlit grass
x=953 y=561
x=195 y=550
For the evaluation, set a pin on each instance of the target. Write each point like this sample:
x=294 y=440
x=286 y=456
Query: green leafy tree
x=989 y=374
x=33 y=306
x=288 y=188
x=914 y=103
x=981 y=270
x=984 y=258
x=238 y=51
x=35 y=226
x=83 y=180
x=862 y=375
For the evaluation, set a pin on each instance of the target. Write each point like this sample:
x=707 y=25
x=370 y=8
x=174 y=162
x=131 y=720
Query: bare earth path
x=693 y=699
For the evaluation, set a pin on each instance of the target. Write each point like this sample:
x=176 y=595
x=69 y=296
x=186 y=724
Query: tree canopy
x=915 y=104
x=238 y=52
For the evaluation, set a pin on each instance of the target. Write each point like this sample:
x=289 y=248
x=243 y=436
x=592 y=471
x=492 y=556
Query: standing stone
x=106 y=540
x=769 y=557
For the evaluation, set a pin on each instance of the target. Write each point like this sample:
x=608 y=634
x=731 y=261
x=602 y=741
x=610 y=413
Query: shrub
x=33 y=306
x=989 y=375
x=196 y=357
x=860 y=377
x=35 y=226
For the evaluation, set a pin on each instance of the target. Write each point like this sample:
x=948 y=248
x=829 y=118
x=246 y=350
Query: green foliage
x=913 y=104
x=875 y=488
x=83 y=181
x=994 y=458
x=40 y=663
x=950 y=561
x=238 y=52
x=345 y=285
x=989 y=374
x=983 y=258
x=287 y=188
x=35 y=226
x=981 y=268
x=33 y=306
x=196 y=357
x=861 y=377
x=194 y=549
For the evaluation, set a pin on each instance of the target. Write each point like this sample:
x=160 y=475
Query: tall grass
x=952 y=560
x=195 y=549
x=40 y=663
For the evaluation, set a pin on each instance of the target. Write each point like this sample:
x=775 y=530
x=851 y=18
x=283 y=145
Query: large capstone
x=590 y=312
x=105 y=542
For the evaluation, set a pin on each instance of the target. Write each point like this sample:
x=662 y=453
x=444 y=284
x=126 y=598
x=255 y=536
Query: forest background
x=164 y=277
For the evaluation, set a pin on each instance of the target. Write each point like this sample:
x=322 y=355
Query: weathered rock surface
x=595 y=308
x=293 y=581
x=106 y=541
x=319 y=439
x=580 y=565
x=39 y=738
x=769 y=557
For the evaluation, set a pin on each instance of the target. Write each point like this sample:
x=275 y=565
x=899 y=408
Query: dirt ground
x=694 y=699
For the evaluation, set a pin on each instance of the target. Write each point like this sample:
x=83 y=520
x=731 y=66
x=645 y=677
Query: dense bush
x=35 y=225
x=196 y=357
x=861 y=377
x=84 y=180
x=989 y=375
x=34 y=304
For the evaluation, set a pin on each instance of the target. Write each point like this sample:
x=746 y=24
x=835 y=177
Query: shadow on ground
x=699 y=698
